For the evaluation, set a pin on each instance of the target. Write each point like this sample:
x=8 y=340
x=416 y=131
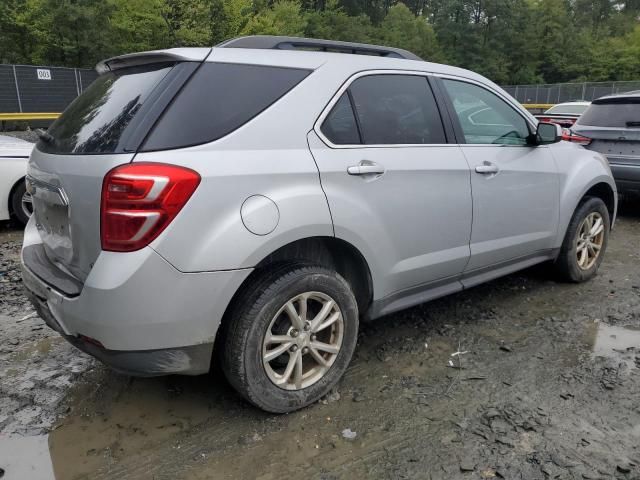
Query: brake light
x=570 y=136
x=139 y=200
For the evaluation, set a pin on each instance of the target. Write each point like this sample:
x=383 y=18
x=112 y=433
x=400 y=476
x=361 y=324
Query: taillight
x=570 y=136
x=139 y=200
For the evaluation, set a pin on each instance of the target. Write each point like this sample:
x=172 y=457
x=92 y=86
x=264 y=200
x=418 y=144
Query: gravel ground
x=28 y=135
x=547 y=386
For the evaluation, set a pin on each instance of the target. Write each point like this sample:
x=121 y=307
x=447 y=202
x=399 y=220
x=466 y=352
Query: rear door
x=101 y=129
x=396 y=189
x=515 y=186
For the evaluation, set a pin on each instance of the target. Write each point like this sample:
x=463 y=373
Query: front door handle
x=487 y=169
x=366 y=167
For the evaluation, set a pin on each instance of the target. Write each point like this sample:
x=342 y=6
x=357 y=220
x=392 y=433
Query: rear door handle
x=366 y=168
x=487 y=168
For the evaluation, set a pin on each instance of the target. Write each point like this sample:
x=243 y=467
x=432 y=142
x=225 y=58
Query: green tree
x=401 y=28
x=332 y=22
x=138 y=25
x=285 y=17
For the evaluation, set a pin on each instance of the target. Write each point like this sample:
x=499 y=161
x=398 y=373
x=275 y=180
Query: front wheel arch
x=604 y=192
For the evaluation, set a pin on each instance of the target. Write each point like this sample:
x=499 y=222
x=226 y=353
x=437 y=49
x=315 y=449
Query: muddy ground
x=547 y=386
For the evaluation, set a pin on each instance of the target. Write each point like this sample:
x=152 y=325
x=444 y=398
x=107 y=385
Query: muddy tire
x=290 y=337
x=585 y=242
x=19 y=209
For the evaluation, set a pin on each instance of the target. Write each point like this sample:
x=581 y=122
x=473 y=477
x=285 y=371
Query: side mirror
x=547 y=133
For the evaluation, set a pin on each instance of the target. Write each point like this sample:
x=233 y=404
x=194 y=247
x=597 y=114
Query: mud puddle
x=618 y=343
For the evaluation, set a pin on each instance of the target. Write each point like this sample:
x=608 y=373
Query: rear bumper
x=191 y=360
x=147 y=317
x=627 y=177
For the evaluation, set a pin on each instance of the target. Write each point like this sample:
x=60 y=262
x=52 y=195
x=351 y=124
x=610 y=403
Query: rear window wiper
x=633 y=124
x=46 y=137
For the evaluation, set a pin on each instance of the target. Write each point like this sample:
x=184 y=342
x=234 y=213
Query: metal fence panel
x=8 y=94
x=86 y=78
x=42 y=95
x=28 y=88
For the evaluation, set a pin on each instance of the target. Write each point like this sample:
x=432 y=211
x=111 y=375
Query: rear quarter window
x=220 y=98
x=96 y=121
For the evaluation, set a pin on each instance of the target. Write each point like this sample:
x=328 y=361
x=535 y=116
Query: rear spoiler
x=155 y=56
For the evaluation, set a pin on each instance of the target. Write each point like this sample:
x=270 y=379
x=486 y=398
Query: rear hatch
x=101 y=129
x=613 y=124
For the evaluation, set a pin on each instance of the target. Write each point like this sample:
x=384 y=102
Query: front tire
x=585 y=242
x=290 y=337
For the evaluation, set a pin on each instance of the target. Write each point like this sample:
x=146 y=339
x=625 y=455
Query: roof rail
x=295 y=43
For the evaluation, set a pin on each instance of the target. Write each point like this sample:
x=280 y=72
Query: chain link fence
x=28 y=88
x=567 y=92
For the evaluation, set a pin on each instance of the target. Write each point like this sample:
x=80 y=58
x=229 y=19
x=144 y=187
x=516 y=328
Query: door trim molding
x=430 y=291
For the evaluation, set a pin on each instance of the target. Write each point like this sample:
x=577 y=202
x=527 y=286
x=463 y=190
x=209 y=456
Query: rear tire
x=585 y=242
x=21 y=205
x=298 y=310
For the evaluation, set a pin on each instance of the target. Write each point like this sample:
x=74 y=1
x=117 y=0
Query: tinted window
x=97 y=119
x=617 y=115
x=484 y=117
x=218 y=99
x=397 y=109
x=340 y=125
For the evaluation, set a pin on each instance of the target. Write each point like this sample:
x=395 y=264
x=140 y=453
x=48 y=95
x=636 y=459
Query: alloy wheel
x=303 y=340
x=589 y=240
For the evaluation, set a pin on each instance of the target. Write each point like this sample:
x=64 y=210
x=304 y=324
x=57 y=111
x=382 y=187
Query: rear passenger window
x=218 y=99
x=340 y=125
x=397 y=109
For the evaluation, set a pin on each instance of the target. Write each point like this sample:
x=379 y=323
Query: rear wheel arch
x=329 y=252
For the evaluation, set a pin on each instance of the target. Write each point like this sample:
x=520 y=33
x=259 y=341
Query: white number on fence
x=44 y=74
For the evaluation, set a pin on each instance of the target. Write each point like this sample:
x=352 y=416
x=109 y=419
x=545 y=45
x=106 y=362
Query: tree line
x=509 y=41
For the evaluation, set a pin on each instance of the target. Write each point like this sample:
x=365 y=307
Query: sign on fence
x=43 y=74
x=41 y=89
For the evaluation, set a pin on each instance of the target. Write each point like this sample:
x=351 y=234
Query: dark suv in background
x=611 y=126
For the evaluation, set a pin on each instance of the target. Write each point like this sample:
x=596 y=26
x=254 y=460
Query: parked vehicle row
x=564 y=114
x=266 y=195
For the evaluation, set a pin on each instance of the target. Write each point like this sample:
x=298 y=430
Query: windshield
x=97 y=119
x=568 y=109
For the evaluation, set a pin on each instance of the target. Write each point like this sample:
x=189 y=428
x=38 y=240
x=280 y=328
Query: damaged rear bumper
x=135 y=312
x=190 y=360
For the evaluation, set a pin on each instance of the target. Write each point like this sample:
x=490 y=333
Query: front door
x=396 y=190
x=515 y=185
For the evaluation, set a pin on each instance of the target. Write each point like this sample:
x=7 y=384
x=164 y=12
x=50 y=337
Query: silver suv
x=265 y=195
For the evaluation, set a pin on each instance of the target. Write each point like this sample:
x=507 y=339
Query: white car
x=564 y=114
x=14 y=200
